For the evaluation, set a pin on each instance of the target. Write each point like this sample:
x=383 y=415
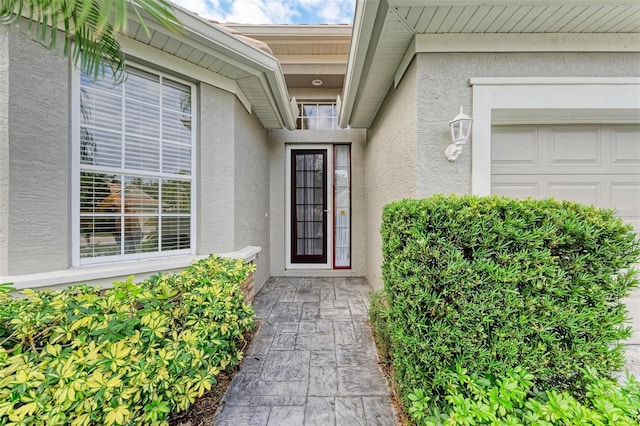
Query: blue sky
x=273 y=11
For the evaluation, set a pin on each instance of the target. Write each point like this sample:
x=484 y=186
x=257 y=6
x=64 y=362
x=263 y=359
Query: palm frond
x=89 y=27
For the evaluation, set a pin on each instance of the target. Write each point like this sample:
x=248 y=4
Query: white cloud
x=311 y=3
x=260 y=12
x=273 y=11
x=336 y=12
x=203 y=8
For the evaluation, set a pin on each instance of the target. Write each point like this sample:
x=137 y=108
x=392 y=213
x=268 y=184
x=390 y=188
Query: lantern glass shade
x=460 y=128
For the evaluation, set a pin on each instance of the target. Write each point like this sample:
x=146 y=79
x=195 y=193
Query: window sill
x=104 y=274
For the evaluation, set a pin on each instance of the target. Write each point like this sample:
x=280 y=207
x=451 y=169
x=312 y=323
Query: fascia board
x=405 y=62
x=329 y=32
x=425 y=3
x=266 y=83
x=206 y=36
x=281 y=97
x=364 y=25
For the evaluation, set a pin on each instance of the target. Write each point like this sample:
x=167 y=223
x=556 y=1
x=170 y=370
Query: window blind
x=136 y=148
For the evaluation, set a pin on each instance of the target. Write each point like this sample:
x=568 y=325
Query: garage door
x=590 y=164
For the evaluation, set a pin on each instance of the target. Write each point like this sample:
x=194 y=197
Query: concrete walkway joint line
x=313 y=361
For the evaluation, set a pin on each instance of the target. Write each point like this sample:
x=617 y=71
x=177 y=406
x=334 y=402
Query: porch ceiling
x=306 y=52
x=252 y=74
x=300 y=40
x=385 y=33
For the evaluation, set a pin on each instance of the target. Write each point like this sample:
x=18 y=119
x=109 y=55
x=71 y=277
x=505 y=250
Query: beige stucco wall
x=34 y=219
x=232 y=170
x=405 y=155
x=279 y=139
x=251 y=182
x=4 y=150
x=215 y=157
x=443 y=86
x=390 y=164
x=233 y=179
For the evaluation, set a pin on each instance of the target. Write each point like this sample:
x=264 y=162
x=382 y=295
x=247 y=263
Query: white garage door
x=590 y=164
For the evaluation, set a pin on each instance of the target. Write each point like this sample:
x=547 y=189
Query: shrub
x=494 y=283
x=127 y=355
x=513 y=400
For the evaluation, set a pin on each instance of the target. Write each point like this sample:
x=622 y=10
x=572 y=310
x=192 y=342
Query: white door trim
x=287 y=209
x=578 y=94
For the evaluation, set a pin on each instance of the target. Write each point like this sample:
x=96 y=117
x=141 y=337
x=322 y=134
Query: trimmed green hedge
x=127 y=355
x=493 y=283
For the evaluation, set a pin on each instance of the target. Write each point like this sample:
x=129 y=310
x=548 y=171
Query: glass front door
x=309 y=206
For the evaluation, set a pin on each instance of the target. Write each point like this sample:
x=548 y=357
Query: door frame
x=287 y=225
x=503 y=100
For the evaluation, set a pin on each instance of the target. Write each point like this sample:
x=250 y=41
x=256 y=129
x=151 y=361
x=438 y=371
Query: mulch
x=385 y=363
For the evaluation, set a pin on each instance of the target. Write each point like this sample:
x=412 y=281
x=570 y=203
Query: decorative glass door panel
x=342 y=207
x=309 y=206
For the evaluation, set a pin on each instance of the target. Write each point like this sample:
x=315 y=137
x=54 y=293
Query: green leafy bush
x=513 y=400
x=127 y=355
x=493 y=283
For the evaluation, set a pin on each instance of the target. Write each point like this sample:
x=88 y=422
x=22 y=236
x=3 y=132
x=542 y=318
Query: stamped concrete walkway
x=312 y=362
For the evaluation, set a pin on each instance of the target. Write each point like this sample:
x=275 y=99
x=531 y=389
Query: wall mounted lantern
x=460 y=132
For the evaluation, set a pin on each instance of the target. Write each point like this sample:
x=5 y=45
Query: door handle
x=327 y=210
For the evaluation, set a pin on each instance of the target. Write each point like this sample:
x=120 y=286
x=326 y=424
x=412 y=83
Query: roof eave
x=363 y=27
x=368 y=35
x=252 y=59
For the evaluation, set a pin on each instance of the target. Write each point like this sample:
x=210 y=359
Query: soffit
x=306 y=52
x=299 y=39
x=521 y=17
x=308 y=47
x=374 y=63
x=256 y=73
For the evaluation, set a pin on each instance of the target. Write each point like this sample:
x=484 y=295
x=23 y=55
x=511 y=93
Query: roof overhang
x=307 y=53
x=387 y=34
x=222 y=59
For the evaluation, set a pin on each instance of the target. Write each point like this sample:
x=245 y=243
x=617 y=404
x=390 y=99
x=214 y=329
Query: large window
x=136 y=155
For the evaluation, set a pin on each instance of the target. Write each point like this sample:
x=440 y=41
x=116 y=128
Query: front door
x=309 y=206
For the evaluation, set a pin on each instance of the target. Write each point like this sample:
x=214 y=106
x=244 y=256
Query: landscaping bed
x=133 y=354
x=203 y=411
x=484 y=291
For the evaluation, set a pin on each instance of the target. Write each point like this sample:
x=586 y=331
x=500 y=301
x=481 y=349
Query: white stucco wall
x=4 y=150
x=390 y=164
x=406 y=143
x=279 y=139
x=251 y=181
x=35 y=213
x=232 y=157
x=215 y=157
x=443 y=86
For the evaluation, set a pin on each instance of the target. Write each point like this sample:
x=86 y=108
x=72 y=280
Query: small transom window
x=317 y=116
